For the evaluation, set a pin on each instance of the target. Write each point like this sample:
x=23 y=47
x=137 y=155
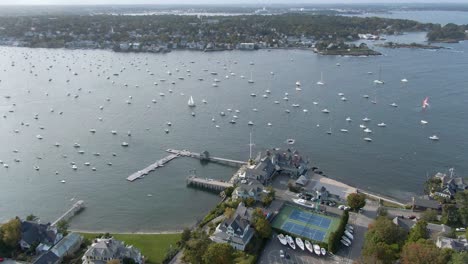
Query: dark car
x=411 y=217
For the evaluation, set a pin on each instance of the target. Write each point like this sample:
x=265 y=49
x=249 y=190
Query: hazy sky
x=263 y=2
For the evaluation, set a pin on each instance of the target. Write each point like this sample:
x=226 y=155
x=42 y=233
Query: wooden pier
x=186 y=153
x=77 y=207
x=160 y=163
x=210 y=184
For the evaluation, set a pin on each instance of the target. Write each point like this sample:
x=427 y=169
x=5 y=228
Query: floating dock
x=210 y=184
x=160 y=163
x=186 y=153
x=71 y=212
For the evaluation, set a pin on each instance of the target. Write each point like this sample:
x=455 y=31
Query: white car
x=460 y=229
x=341 y=207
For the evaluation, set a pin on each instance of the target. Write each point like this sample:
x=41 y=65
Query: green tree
x=450 y=215
x=422 y=252
x=196 y=246
x=266 y=200
x=185 y=236
x=221 y=253
x=263 y=228
x=11 y=232
x=380 y=253
x=462 y=202
x=62 y=227
x=459 y=258
x=31 y=217
x=419 y=231
x=229 y=212
x=128 y=261
x=429 y=215
x=356 y=200
x=249 y=202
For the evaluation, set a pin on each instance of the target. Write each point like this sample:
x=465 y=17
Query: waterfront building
x=65 y=247
x=44 y=236
x=236 y=231
x=434 y=230
x=424 y=204
x=249 y=189
x=105 y=249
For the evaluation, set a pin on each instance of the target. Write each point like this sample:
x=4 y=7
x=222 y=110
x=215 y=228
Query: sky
x=261 y=2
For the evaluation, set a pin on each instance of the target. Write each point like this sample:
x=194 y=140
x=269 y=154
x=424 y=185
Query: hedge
x=335 y=237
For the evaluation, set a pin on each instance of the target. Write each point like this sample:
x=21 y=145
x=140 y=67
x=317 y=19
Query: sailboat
x=425 y=103
x=251 y=79
x=191 y=103
x=282 y=239
x=321 y=79
x=379 y=81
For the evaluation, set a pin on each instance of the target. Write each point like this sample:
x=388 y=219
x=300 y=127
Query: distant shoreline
x=127 y=233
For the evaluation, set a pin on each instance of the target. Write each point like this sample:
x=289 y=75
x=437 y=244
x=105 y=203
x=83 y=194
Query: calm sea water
x=435 y=16
x=395 y=163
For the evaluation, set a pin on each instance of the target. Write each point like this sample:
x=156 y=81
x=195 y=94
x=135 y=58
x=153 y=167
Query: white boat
x=323 y=251
x=321 y=79
x=379 y=81
x=222 y=114
x=39 y=137
x=193 y=113
x=382 y=124
x=63 y=181
x=232 y=121
x=87 y=163
x=366 y=119
x=251 y=80
x=341 y=94
x=367 y=130
x=204 y=101
x=325 y=111
x=299 y=243
x=269 y=124
x=287 y=111
x=74 y=167
x=309 y=247
x=92 y=130
x=291 y=242
x=366 y=96
x=267 y=91
x=349 y=119
x=344 y=243
x=298 y=83
x=113 y=132
x=305 y=110
x=282 y=239
x=250 y=123
x=253 y=95
x=36 y=168
x=348 y=235
x=76 y=145
x=298 y=88
x=404 y=80
x=393 y=105
x=124 y=144
x=290 y=141
x=295 y=105
x=346 y=239
x=276 y=102
x=344 y=99
x=434 y=137
x=368 y=139
x=424 y=122
x=190 y=102
x=344 y=130
x=315 y=103
x=317 y=249
x=362 y=126
x=285 y=98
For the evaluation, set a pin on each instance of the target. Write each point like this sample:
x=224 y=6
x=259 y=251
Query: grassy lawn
x=152 y=246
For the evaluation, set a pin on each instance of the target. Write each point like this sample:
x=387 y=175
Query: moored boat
x=299 y=243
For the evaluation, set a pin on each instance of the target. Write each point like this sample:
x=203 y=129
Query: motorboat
x=325 y=111
x=298 y=83
x=287 y=111
x=349 y=119
x=63 y=181
x=232 y=121
x=253 y=95
x=368 y=139
x=87 y=163
x=344 y=243
x=366 y=119
x=290 y=141
x=295 y=105
x=345 y=239
x=299 y=243
x=124 y=144
x=341 y=94
x=74 y=167
x=349 y=235
x=321 y=82
x=36 y=168
x=282 y=239
x=424 y=122
x=393 y=105
x=323 y=251
x=291 y=242
x=309 y=247
x=362 y=126
x=344 y=99
x=39 y=137
x=276 y=102
x=250 y=123
x=382 y=124
x=365 y=96
x=92 y=130
x=222 y=114
x=190 y=102
x=317 y=249
x=113 y=132
x=305 y=110
x=404 y=80
x=434 y=137
x=193 y=113
x=367 y=130
x=269 y=124
x=76 y=145
x=344 y=130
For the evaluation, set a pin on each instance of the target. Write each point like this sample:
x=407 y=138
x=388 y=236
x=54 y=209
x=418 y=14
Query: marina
x=209 y=184
x=75 y=209
x=142 y=173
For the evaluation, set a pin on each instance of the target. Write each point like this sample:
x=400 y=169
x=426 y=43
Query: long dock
x=71 y=212
x=186 y=153
x=210 y=184
x=160 y=163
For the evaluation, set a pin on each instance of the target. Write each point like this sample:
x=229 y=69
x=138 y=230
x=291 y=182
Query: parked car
x=411 y=217
x=281 y=253
x=459 y=229
x=341 y=207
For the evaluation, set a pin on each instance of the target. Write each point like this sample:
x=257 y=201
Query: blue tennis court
x=311 y=219
x=303 y=231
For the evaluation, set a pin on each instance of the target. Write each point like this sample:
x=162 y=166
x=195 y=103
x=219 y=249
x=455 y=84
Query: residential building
x=105 y=249
x=249 y=189
x=424 y=204
x=434 y=230
x=236 y=231
x=456 y=244
x=44 y=236
x=67 y=246
x=47 y=258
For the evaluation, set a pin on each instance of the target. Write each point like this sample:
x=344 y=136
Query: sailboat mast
x=250 y=147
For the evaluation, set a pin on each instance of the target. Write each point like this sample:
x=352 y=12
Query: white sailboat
x=379 y=81
x=282 y=239
x=321 y=82
x=251 y=79
x=191 y=103
x=299 y=243
x=308 y=245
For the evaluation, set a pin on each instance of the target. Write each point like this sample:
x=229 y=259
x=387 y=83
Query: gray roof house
x=236 y=230
x=249 y=189
x=424 y=204
x=455 y=244
x=105 y=249
x=47 y=258
x=302 y=180
x=43 y=235
x=68 y=245
x=434 y=230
